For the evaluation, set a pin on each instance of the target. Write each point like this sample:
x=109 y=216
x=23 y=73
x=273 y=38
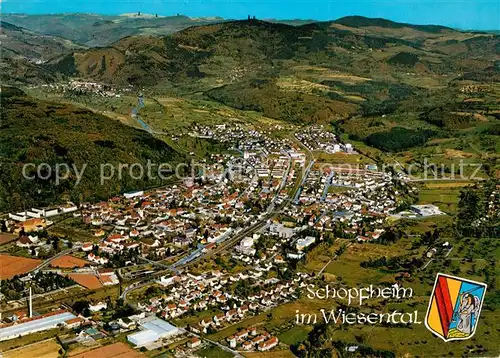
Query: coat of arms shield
x=454 y=307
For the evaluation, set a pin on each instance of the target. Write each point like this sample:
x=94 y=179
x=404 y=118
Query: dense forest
x=399 y=138
x=46 y=134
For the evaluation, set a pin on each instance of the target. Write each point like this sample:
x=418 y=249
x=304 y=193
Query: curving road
x=49 y=260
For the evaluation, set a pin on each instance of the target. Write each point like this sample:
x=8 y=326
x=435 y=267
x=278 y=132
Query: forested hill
x=361 y=21
x=34 y=131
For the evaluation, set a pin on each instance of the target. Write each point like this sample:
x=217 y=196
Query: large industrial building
x=426 y=210
x=36 y=324
x=152 y=329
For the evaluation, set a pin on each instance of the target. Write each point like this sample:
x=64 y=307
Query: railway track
x=224 y=246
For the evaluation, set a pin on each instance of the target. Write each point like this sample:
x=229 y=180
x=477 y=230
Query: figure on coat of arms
x=469 y=305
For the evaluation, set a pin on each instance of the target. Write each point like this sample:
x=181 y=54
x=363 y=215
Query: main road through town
x=225 y=245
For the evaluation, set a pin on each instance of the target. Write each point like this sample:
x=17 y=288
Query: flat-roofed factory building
x=153 y=329
x=37 y=324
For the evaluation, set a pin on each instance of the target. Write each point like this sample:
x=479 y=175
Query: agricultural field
x=274 y=354
x=230 y=330
x=321 y=255
x=45 y=349
x=420 y=226
x=446 y=196
x=116 y=350
x=213 y=351
x=68 y=262
x=89 y=281
x=147 y=292
x=24 y=341
x=11 y=266
x=357 y=161
x=5 y=238
x=74 y=229
x=196 y=318
x=294 y=335
x=346 y=267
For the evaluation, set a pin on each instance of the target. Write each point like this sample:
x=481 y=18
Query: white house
x=98 y=306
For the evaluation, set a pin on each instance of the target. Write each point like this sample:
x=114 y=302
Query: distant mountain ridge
x=20 y=41
x=254 y=64
x=247 y=65
x=7 y=26
x=255 y=44
x=23 y=51
x=361 y=21
x=93 y=30
x=102 y=30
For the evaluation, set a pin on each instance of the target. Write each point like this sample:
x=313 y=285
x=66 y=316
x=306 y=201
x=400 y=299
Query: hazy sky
x=466 y=14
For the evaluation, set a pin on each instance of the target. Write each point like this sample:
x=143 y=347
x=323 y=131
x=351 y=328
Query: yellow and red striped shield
x=454 y=307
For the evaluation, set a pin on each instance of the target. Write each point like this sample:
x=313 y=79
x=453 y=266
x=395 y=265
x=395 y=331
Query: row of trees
x=15 y=289
x=394 y=263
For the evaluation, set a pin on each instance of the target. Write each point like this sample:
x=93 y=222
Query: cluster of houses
x=246 y=251
x=86 y=87
x=31 y=242
x=171 y=213
x=28 y=241
x=493 y=205
x=243 y=137
x=113 y=244
x=249 y=339
x=350 y=196
x=186 y=294
x=317 y=138
x=190 y=292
